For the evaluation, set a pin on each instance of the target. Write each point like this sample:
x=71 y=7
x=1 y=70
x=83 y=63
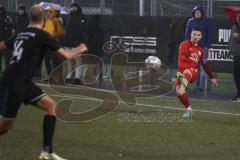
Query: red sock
x=188 y=76
x=184 y=99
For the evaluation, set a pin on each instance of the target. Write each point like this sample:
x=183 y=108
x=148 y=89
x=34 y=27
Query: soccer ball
x=153 y=62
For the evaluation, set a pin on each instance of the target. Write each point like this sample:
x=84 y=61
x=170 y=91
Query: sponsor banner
x=132 y=45
x=220 y=50
x=219 y=55
x=140 y=37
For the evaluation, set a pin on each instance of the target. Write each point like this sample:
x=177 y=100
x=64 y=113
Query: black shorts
x=15 y=92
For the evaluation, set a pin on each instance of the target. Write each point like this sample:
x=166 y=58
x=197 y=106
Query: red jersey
x=189 y=55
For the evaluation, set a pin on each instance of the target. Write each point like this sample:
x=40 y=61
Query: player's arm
x=208 y=70
x=69 y=54
x=3 y=46
x=184 y=49
x=184 y=52
x=53 y=45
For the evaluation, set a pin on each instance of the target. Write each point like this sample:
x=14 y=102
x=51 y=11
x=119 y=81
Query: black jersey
x=28 y=52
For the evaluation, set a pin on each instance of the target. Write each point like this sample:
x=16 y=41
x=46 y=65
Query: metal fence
x=213 y=8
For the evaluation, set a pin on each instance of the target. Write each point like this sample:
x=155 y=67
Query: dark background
x=106 y=26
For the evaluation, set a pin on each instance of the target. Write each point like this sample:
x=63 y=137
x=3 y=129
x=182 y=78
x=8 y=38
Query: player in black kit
x=16 y=84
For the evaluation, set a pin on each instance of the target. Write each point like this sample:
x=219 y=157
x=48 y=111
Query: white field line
x=148 y=105
x=109 y=91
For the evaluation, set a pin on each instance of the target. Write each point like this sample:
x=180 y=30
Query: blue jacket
x=203 y=23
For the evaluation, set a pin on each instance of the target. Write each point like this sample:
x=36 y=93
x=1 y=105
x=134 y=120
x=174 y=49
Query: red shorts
x=194 y=73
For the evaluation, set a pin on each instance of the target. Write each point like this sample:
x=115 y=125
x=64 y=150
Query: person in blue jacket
x=198 y=19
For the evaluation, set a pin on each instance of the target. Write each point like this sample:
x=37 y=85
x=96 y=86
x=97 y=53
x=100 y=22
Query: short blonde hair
x=36 y=14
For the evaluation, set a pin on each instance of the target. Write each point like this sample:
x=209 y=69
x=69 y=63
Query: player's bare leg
x=5 y=124
x=49 y=106
x=184 y=79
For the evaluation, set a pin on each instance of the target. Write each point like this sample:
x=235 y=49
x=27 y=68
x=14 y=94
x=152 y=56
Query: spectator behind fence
x=55 y=28
x=6 y=31
x=235 y=51
x=198 y=20
x=21 y=20
x=76 y=33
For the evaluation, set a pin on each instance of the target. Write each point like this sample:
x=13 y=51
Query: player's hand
x=82 y=48
x=214 y=81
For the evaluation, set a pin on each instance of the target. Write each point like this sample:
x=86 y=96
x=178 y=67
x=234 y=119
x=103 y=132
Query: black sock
x=48 y=131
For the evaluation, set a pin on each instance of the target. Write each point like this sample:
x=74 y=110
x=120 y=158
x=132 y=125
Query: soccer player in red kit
x=190 y=55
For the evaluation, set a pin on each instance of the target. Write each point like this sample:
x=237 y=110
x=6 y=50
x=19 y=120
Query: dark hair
x=196 y=28
x=2 y=8
x=23 y=8
x=79 y=8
